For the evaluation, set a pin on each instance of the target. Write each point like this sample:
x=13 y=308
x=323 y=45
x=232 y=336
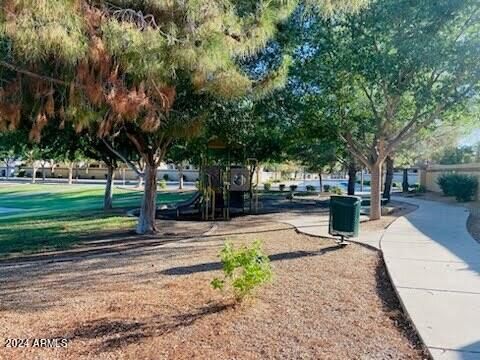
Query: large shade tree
x=398 y=66
x=10 y=149
x=144 y=68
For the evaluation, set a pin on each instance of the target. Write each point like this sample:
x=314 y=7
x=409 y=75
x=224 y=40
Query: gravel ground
x=155 y=302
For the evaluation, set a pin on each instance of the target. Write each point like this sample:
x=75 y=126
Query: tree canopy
x=145 y=68
x=395 y=68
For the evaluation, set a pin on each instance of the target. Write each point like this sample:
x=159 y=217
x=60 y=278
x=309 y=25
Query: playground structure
x=223 y=186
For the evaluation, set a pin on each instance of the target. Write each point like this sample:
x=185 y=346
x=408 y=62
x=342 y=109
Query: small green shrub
x=463 y=187
x=162 y=184
x=21 y=173
x=421 y=189
x=166 y=177
x=244 y=269
x=336 y=190
x=281 y=187
x=310 y=188
x=446 y=183
x=267 y=186
x=367 y=183
x=326 y=188
x=466 y=188
x=293 y=188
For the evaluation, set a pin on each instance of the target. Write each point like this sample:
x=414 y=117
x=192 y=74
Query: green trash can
x=344 y=216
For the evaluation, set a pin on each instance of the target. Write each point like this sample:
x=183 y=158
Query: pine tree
x=145 y=68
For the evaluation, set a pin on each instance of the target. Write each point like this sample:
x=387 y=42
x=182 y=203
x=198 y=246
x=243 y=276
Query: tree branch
x=124 y=159
x=32 y=74
x=354 y=150
x=370 y=100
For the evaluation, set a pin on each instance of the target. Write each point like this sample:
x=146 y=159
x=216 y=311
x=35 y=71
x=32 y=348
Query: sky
x=471 y=139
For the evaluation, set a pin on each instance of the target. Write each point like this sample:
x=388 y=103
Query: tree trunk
x=70 y=174
x=387 y=189
x=146 y=221
x=352 y=177
x=362 y=180
x=140 y=182
x=108 y=199
x=180 y=177
x=405 y=184
x=34 y=174
x=43 y=172
x=8 y=169
x=375 y=196
x=252 y=174
x=320 y=181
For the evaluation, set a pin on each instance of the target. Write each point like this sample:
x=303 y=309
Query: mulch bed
x=325 y=302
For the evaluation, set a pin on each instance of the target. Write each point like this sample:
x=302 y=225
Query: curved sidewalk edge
x=434 y=266
x=317 y=226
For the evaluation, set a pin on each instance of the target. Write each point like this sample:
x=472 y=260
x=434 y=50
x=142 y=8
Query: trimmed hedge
x=365 y=182
x=463 y=187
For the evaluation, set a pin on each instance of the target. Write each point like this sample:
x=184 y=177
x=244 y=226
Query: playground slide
x=188 y=203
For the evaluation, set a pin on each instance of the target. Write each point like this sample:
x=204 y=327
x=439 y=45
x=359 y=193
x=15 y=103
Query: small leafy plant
x=336 y=190
x=162 y=184
x=281 y=187
x=267 y=186
x=293 y=187
x=326 y=188
x=244 y=269
x=310 y=188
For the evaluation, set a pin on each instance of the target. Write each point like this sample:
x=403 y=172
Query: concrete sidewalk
x=315 y=225
x=434 y=265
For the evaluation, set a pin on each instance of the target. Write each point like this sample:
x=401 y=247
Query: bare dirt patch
x=325 y=302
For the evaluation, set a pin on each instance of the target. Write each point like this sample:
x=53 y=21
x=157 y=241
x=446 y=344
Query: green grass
x=56 y=216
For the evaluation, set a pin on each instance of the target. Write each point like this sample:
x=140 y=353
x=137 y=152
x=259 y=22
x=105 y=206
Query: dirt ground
x=154 y=301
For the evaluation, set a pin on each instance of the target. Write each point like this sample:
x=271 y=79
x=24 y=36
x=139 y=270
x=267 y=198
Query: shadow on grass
x=54 y=231
x=60 y=221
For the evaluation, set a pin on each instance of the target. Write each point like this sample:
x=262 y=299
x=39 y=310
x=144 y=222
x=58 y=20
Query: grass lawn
x=47 y=217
